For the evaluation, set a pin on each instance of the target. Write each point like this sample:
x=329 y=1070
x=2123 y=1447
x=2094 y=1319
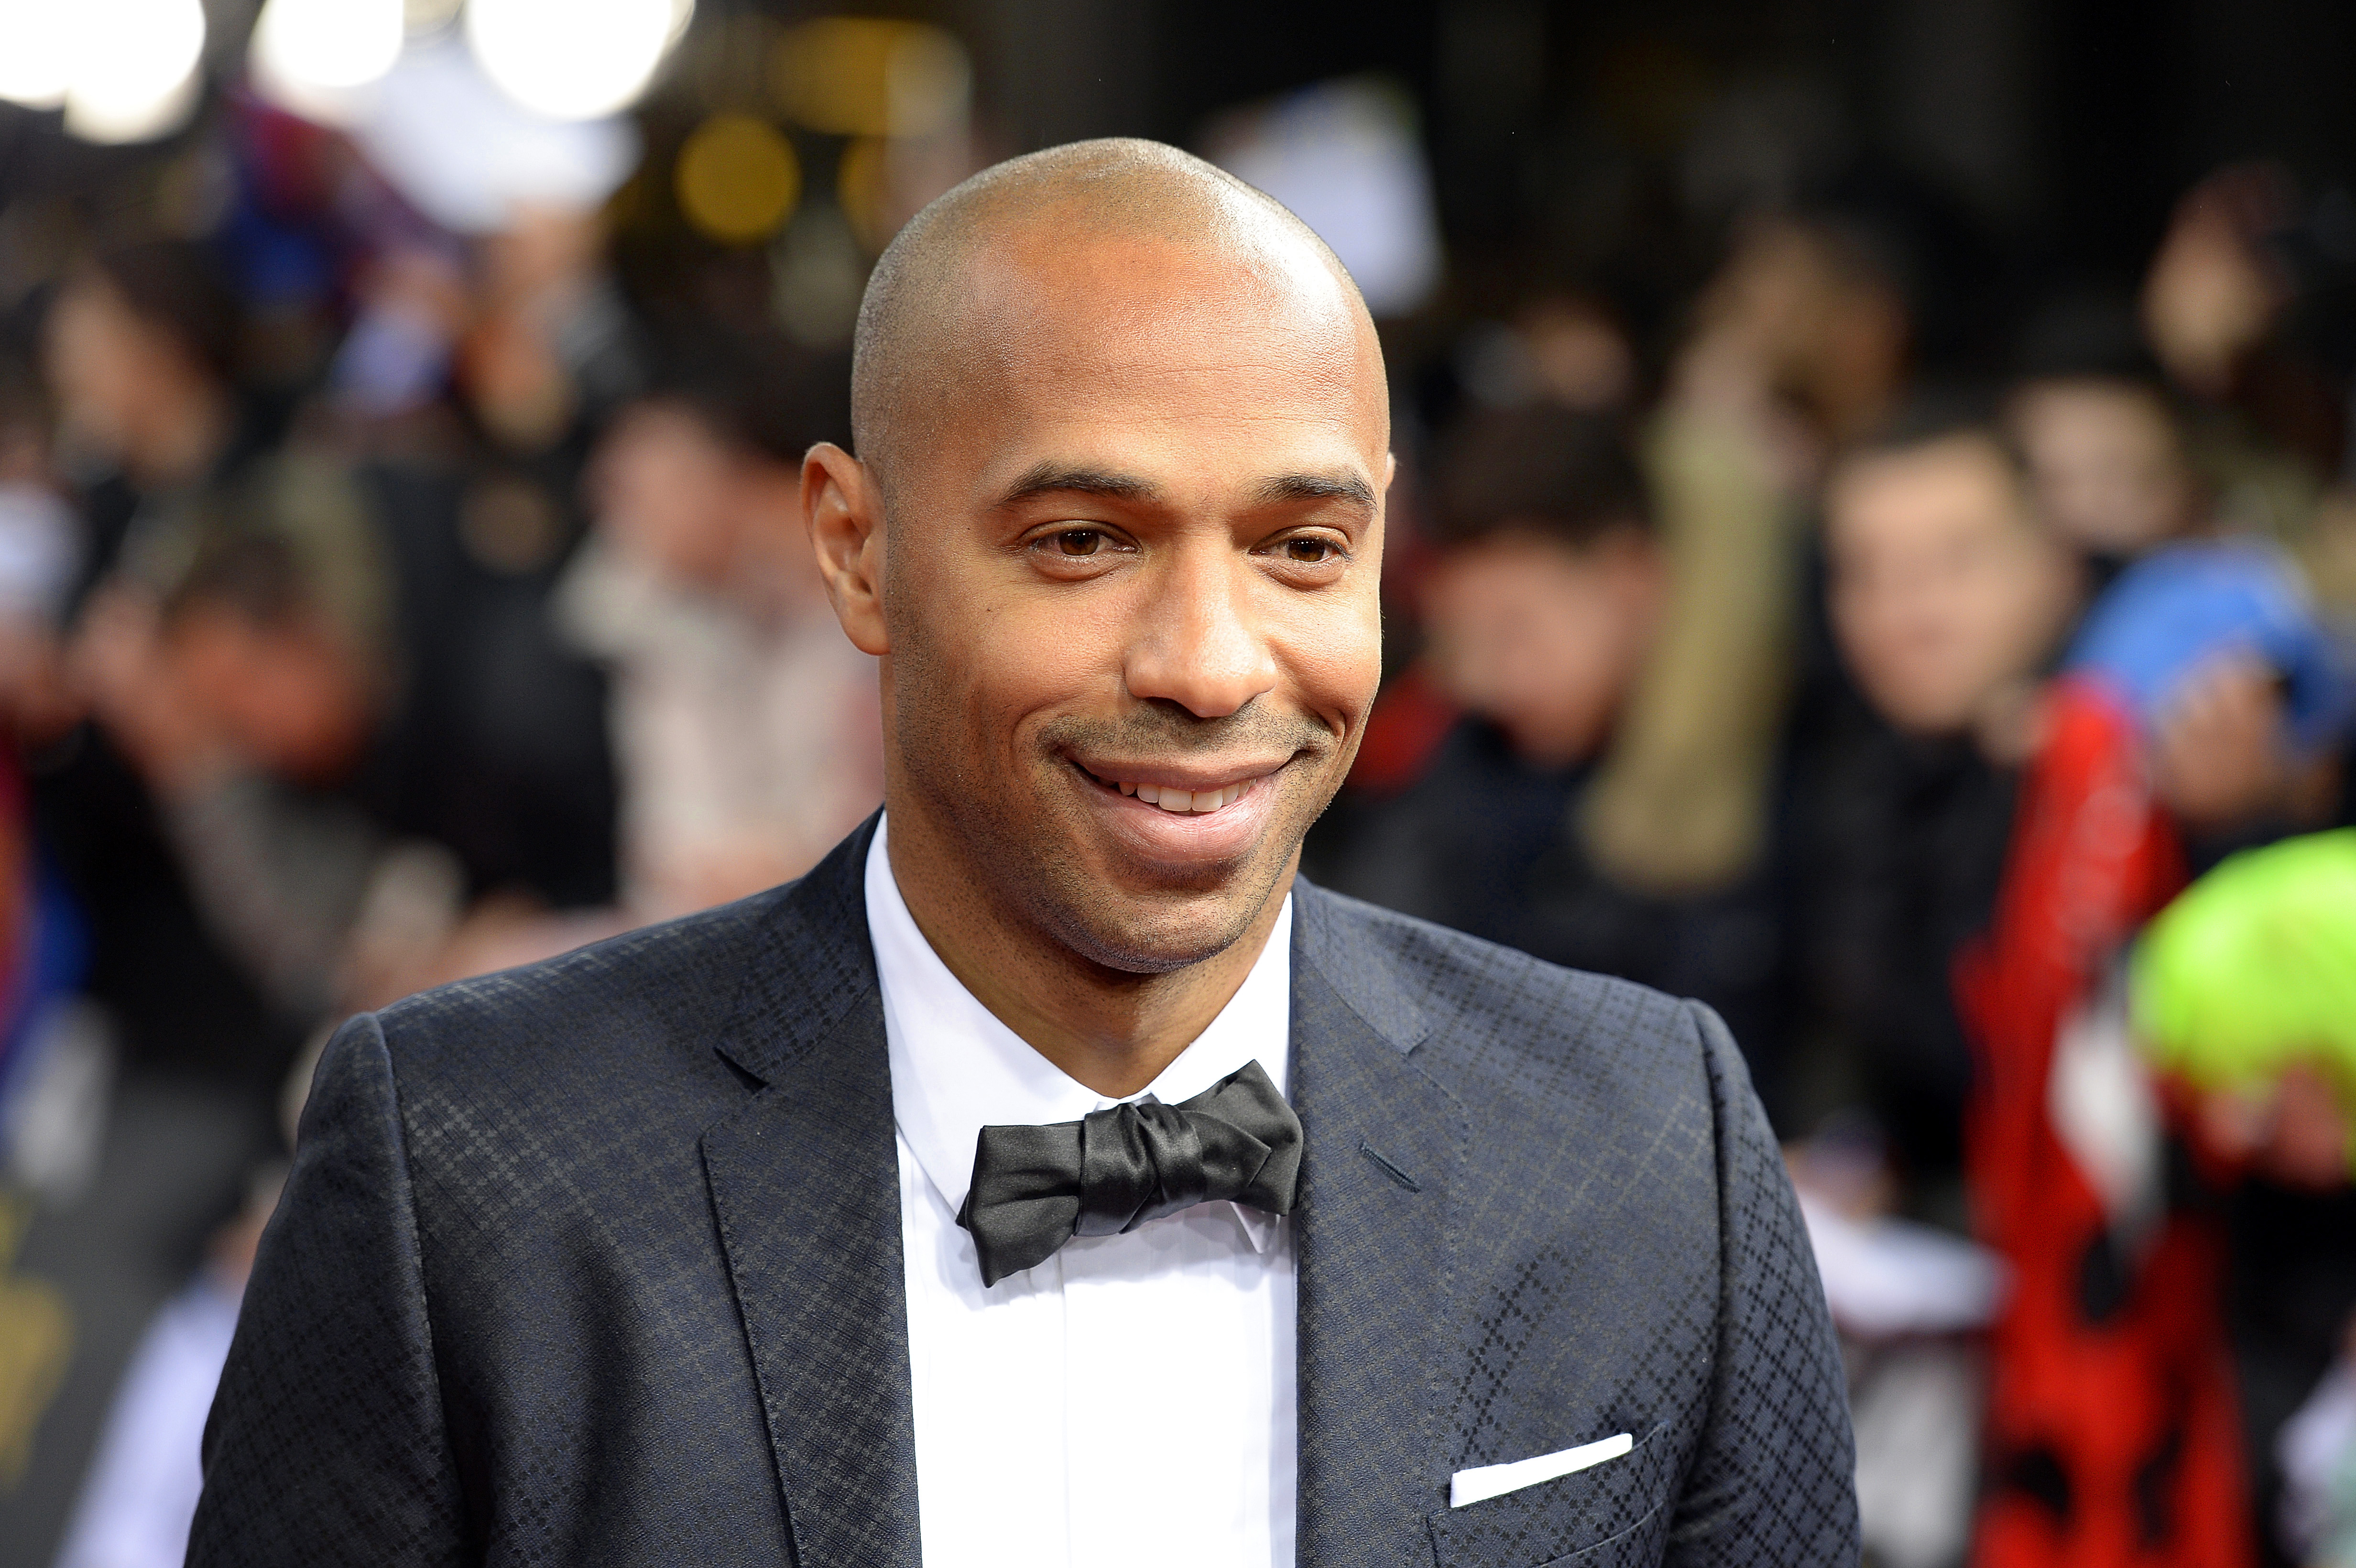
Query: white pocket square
x=1494 y=1480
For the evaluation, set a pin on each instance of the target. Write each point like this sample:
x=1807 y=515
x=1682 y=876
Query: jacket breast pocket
x=1612 y=1513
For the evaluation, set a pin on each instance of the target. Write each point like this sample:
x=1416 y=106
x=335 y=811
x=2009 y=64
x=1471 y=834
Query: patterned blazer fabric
x=598 y=1262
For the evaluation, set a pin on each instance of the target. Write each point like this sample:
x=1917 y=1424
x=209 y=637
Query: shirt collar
x=956 y=1069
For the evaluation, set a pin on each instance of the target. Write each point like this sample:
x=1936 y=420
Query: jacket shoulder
x=1463 y=1007
x=629 y=1002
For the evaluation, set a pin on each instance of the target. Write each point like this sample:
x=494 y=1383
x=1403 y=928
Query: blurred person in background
x=1949 y=601
x=2222 y=307
x=142 y=346
x=746 y=726
x=313 y=764
x=1541 y=606
x=2114 y=1435
x=1934 y=846
x=1808 y=336
x=1578 y=352
x=2107 y=459
x=367 y=765
x=144 y=1100
x=136 y=1503
x=2243 y=991
x=260 y=669
x=39 y=936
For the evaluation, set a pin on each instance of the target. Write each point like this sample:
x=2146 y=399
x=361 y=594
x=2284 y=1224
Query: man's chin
x=1131 y=920
x=1156 y=941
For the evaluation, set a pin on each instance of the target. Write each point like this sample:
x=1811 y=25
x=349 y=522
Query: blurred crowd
x=396 y=586
x=1880 y=690
x=383 y=600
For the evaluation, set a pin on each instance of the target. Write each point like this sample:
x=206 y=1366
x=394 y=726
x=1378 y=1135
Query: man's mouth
x=1192 y=799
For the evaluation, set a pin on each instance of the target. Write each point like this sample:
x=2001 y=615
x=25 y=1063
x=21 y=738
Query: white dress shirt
x=1129 y=1401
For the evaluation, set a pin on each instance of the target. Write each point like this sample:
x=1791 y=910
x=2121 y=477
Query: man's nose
x=1199 y=644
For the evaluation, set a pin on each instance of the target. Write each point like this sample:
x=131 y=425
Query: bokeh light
x=133 y=67
x=738 y=178
x=859 y=76
x=37 y=43
x=573 y=59
x=312 y=54
x=862 y=184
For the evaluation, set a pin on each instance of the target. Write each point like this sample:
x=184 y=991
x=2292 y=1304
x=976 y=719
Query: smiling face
x=1129 y=620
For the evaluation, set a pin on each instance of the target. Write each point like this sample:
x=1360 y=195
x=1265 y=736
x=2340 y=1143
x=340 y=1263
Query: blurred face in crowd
x=294 y=697
x=1578 y=355
x=1126 y=600
x=1795 y=309
x=703 y=512
x=2105 y=462
x=675 y=497
x=1946 y=591
x=121 y=382
x=1542 y=637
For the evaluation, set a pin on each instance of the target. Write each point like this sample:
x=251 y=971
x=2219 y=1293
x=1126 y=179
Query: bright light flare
x=37 y=39
x=134 y=67
x=327 y=46
x=573 y=59
x=124 y=70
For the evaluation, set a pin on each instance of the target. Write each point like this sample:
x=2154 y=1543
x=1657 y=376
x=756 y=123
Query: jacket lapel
x=1383 y=1145
x=805 y=1187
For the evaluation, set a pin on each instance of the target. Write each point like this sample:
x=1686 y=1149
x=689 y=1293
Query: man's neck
x=1108 y=1029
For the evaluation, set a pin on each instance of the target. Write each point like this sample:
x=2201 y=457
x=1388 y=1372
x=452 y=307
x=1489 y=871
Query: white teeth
x=1185 y=801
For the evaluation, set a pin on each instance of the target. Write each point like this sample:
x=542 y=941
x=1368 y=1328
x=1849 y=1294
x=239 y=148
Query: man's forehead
x=1346 y=482
x=1123 y=381
x=1136 y=299
x=1205 y=332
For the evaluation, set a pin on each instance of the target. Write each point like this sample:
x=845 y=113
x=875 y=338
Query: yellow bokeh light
x=860 y=184
x=864 y=76
x=738 y=178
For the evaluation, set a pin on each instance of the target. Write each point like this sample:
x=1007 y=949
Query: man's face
x=1943 y=591
x=1131 y=590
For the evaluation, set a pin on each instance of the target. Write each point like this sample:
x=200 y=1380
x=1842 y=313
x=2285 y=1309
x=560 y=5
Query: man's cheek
x=1339 y=674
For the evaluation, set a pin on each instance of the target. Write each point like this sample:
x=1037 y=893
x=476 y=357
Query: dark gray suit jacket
x=599 y=1261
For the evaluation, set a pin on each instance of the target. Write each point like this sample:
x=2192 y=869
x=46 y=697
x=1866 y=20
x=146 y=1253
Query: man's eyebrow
x=1064 y=479
x=1317 y=487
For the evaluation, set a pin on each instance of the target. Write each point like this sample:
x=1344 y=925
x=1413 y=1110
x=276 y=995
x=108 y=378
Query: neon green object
x=2254 y=968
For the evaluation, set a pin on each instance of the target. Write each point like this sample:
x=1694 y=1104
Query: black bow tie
x=1036 y=1188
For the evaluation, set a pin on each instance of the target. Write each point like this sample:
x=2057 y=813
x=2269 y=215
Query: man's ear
x=846 y=524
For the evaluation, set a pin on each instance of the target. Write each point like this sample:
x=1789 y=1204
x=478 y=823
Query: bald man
x=1051 y=1176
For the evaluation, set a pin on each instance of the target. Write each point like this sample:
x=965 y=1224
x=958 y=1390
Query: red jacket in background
x=2112 y=1434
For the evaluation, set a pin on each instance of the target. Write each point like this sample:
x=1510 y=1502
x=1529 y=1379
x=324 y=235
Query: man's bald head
x=925 y=330
x=1114 y=532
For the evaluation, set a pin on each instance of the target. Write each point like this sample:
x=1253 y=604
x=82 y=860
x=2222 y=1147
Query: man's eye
x=1309 y=550
x=1079 y=541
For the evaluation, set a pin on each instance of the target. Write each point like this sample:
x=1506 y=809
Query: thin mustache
x=1153 y=730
